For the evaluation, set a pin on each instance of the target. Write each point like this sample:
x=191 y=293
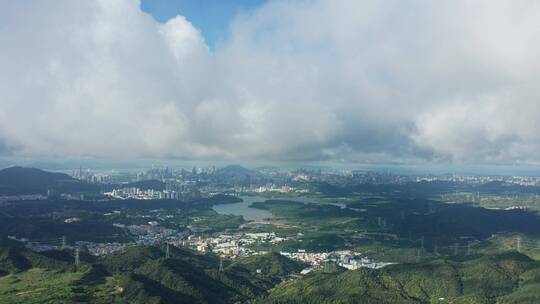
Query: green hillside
x=505 y=278
x=145 y=275
x=19 y=180
x=139 y=275
x=150 y=278
x=272 y=264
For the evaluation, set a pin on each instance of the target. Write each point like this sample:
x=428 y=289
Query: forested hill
x=139 y=275
x=504 y=278
x=20 y=180
x=147 y=275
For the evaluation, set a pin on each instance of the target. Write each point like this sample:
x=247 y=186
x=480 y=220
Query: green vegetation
x=493 y=200
x=508 y=278
x=144 y=275
x=212 y=219
x=149 y=277
x=38 y=286
x=393 y=228
x=138 y=275
x=42 y=220
x=18 y=180
x=453 y=244
x=272 y=265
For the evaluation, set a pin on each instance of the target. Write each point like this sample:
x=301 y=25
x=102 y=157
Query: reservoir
x=253 y=214
x=243 y=209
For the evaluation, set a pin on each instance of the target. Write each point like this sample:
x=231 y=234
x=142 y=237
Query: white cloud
x=351 y=80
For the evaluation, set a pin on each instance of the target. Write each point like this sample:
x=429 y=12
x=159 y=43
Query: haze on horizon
x=347 y=81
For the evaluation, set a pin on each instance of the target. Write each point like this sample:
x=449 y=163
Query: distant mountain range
x=20 y=180
x=235 y=169
x=145 y=185
x=235 y=173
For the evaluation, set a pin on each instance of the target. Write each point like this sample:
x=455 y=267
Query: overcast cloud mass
x=434 y=81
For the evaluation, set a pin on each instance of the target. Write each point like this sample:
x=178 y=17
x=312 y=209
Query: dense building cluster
x=233 y=245
x=344 y=258
x=136 y=193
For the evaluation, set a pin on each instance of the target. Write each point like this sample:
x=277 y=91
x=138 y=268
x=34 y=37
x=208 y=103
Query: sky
x=348 y=81
x=211 y=17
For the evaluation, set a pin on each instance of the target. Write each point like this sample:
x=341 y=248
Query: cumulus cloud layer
x=346 y=80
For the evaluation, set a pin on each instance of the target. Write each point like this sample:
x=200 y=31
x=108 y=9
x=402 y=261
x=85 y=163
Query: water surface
x=243 y=209
x=254 y=214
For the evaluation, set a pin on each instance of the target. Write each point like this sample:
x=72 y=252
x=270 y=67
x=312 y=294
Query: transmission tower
x=518 y=244
x=326 y=267
x=63 y=242
x=167 y=252
x=77 y=261
x=220 y=264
